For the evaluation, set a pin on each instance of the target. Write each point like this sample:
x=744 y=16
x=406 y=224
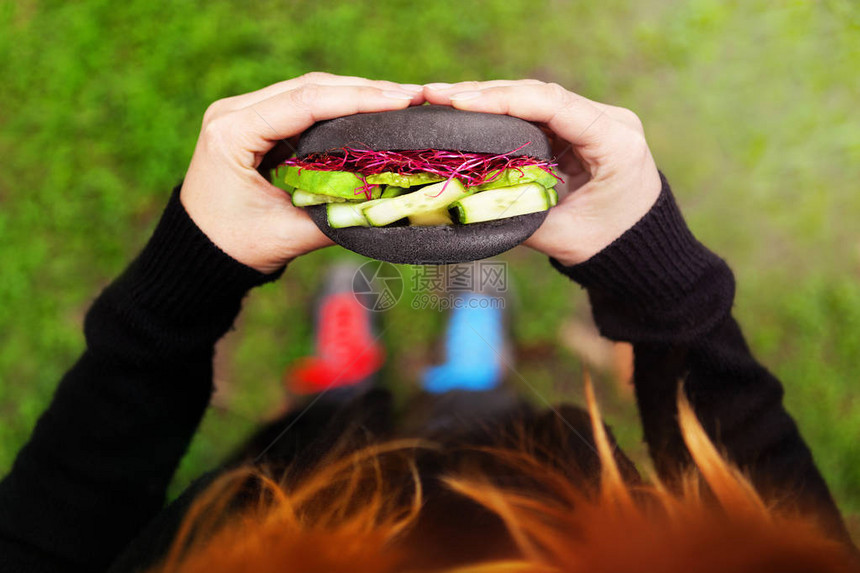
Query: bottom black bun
x=441 y=244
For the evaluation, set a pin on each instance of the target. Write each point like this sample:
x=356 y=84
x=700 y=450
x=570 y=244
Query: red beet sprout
x=471 y=169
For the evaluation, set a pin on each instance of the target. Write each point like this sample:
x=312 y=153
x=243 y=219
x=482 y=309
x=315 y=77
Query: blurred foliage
x=750 y=108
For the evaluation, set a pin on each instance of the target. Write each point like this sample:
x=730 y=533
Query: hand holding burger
x=611 y=176
x=609 y=166
x=225 y=195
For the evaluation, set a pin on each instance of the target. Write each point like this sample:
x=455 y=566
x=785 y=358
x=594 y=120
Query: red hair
x=358 y=513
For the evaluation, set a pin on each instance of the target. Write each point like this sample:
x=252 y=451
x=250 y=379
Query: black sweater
x=98 y=463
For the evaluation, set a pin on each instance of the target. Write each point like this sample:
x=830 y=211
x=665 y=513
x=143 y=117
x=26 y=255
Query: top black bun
x=429 y=127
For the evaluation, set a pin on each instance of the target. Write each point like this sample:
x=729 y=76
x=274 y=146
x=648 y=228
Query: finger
x=571 y=116
x=289 y=113
x=444 y=90
x=319 y=78
x=440 y=93
x=478 y=85
x=297 y=223
x=621 y=115
x=556 y=223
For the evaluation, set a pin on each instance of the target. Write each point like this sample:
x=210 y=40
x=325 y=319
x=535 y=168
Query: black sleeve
x=97 y=465
x=659 y=288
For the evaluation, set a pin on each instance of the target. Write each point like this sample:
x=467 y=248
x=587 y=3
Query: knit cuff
x=656 y=282
x=175 y=300
x=181 y=273
x=657 y=261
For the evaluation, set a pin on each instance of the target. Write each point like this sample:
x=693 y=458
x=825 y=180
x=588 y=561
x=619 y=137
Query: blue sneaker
x=476 y=346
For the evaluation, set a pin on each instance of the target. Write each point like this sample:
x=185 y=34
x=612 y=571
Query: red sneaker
x=347 y=351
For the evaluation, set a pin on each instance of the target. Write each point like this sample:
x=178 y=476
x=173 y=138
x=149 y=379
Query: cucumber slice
x=351 y=213
x=429 y=198
x=552 y=197
x=502 y=203
x=340 y=215
x=431 y=218
x=302 y=198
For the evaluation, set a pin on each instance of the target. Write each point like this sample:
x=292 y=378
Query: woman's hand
x=224 y=194
x=611 y=177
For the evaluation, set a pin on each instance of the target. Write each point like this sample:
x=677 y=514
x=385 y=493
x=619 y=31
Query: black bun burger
x=422 y=185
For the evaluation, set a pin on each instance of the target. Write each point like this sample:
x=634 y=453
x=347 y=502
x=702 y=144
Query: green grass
x=750 y=108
